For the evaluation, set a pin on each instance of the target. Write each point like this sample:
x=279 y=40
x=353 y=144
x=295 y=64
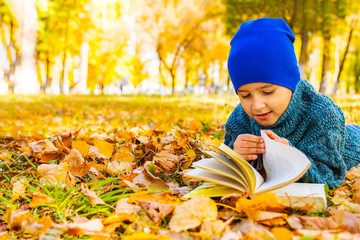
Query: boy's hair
x=262 y=50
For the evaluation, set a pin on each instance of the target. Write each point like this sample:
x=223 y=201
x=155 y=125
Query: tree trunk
x=343 y=58
x=25 y=77
x=303 y=53
x=47 y=73
x=64 y=85
x=80 y=87
x=325 y=71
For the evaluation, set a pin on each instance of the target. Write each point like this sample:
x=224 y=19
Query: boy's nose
x=258 y=104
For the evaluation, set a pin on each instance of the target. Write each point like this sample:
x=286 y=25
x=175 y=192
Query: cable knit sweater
x=314 y=124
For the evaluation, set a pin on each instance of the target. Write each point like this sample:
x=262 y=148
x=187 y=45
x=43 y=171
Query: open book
x=283 y=165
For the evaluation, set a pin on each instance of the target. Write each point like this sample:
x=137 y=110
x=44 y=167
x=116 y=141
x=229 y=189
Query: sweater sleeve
x=327 y=163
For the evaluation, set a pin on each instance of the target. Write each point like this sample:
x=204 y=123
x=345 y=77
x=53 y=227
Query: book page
x=212 y=165
x=231 y=164
x=207 y=176
x=252 y=175
x=283 y=164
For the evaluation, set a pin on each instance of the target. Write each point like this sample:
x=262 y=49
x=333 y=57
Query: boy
x=263 y=69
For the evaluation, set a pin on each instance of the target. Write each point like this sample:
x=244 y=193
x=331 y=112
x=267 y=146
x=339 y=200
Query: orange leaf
x=39 y=199
x=123 y=154
x=145 y=236
x=195 y=125
x=82 y=146
x=5 y=156
x=104 y=147
x=282 y=233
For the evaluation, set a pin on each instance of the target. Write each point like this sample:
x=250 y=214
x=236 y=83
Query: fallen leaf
x=104 y=147
x=270 y=219
x=259 y=234
x=40 y=199
x=5 y=156
x=95 y=154
x=53 y=173
x=282 y=233
x=122 y=206
x=353 y=173
x=167 y=161
x=91 y=195
x=246 y=226
x=195 y=125
x=192 y=213
x=81 y=146
x=262 y=202
x=213 y=227
x=89 y=228
x=18 y=189
x=115 y=167
x=16 y=218
x=123 y=154
x=144 y=236
x=115 y=217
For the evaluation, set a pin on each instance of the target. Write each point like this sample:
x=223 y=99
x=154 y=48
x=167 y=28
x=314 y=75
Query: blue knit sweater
x=314 y=124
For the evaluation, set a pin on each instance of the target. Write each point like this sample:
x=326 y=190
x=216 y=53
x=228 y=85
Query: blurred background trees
x=164 y=46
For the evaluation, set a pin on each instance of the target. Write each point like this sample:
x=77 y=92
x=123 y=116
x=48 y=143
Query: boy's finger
x=250 y=137
x=250 y=157
x=271 y=134
x=248 y=144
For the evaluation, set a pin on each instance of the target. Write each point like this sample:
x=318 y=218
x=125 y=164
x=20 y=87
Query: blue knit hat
x=262 y=50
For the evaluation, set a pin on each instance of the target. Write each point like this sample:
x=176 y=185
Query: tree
x=25 y=77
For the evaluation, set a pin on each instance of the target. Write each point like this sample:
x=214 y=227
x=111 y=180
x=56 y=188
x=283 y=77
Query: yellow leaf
x=145 y=236
x=191 y=153
x=195 y=125
x=5 y=156
x=104 y=147
x=82 y=146
x=282 y=233
x=18 y=189
x=261 y=202
x=192 y=213
x=123 y=154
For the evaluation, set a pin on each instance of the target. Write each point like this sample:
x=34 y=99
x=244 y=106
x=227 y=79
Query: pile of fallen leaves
x=127 y=182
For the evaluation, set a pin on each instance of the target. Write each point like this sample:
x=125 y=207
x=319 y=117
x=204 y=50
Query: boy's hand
x=248 y=146
x=275 y=137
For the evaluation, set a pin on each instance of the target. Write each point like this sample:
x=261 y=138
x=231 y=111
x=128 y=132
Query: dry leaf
x=192 y=213
x=260 y=234
x=123 y=154
x=157 y=211
x=95 y=154
x=115 y=167
x=195 y=125
x=262 y=202
x=353 y=173
x=213 y=228
x=16 y=218
x=115 y=217
x=89 y=228
x=282 y=233
x=5 y=156
x=270 y=219
x=81 y=146
x=104 y=147
x=53 y=173
x=91 y=195
x=18 y=189
x=246 y=226
x=39 y=199
x=167 y=161
x=122 y=206
x=144 y=236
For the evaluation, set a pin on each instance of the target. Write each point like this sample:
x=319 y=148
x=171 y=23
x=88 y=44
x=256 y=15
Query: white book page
x=283 y=164
x=217 y=167
x=207 y=176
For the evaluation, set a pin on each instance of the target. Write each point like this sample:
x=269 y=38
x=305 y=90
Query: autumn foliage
x=112 y=168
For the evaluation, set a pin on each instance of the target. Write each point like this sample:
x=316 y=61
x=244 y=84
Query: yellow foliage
x=104 y=147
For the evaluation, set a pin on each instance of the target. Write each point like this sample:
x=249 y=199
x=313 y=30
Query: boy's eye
x=245 y=96
x=268 y=92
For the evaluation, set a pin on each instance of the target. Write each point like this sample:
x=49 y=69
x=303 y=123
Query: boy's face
x=264 y=102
